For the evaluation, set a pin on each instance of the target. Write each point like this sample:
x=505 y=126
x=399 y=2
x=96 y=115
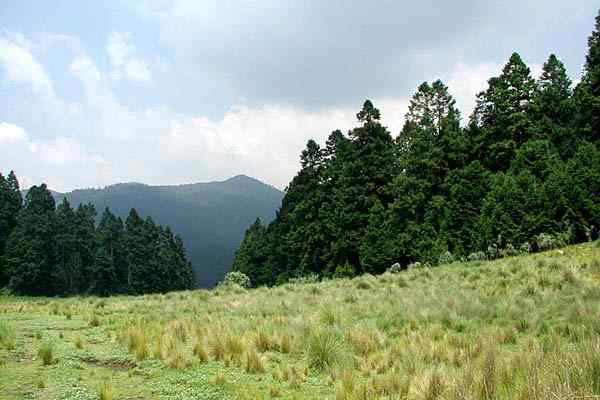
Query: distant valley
x=210 y=217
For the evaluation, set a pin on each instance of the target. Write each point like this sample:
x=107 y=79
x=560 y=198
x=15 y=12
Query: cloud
x=20 y=66
x=124 y=63
x=10 y=133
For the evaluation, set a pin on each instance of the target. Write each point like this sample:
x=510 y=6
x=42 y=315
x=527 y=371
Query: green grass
x=516 y=328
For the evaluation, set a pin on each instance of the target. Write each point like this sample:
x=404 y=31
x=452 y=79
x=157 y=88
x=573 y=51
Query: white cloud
x=10 y=133
x=122 y=59
x=20 y=66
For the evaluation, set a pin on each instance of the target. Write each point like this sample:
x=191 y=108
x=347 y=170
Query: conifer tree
x=553 y=107
x=587 y=93
x=31 y=248
x=503 y=112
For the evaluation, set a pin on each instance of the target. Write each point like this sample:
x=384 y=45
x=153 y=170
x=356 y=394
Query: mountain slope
x=210 y=217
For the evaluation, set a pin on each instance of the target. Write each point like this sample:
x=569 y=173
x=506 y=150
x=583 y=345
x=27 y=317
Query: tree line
x=58 y=250
x=523 y=170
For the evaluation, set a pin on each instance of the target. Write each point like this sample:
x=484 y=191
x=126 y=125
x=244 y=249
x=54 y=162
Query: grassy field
x=516 y=328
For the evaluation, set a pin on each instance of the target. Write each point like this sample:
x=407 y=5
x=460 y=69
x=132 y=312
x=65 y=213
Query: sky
x=94 y=93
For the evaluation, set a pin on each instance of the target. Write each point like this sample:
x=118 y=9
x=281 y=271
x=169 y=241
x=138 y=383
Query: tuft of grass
x=200 y=352
x=254 y=363
x=106 y=391
x=78 y=342
x=435 y=386
x=217 y=348
x=262 y=340
x=46 y=353
x=324 y=349
x=7 y=336
x=94 y=321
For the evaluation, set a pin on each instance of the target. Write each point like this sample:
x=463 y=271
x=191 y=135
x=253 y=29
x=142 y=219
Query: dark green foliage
x=60 y=251
x=210 y=217
x=527 y=163
x=11 y=202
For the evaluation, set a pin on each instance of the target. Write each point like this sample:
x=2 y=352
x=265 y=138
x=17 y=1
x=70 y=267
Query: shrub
x=546 y=241
x=509 y=251
x=477 y=256
x=46 y=353
x=311 y=278
x=525 y=248
x=395 y=268
x=446 y=258
x=237 y=278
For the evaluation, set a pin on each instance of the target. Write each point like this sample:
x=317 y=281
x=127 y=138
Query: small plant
x=477 y=256
x=106 y=391
x=237 y=278
x=78 y=342
x=446 y=258
x=7 y=336
x=324 y=350
x=46 y=353
x=94 y=321
x=217 y=348
x=285 y=343
x=254 y=363
x=262 y=340
x=327 y=316
x=395 y=268
x=274 y=391
x=200 y=352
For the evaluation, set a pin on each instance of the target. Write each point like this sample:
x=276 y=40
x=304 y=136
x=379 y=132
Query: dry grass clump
x=263 y=341
x=200 y=351
x=254 y=363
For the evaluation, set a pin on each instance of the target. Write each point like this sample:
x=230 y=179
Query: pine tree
x=587 y=93
x=553 y=107
x=11 y=202
x=68 y=269
x=503 y=112
x=31 y=247
x=109 y=257
x=370 y=165
x=85 y=234
x=251 y=255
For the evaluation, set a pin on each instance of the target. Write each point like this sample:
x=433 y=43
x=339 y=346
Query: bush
x=509 y=251
x=312 y=278
x=477 y=256
x=237 y=278
x=395 y=268
x=546 y=241
x=446 y=258
x=525 y=248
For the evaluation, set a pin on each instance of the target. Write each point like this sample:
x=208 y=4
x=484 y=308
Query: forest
x=521 y=175
x=58 y=250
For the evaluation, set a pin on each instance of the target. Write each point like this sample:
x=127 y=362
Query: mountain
x=210 y=217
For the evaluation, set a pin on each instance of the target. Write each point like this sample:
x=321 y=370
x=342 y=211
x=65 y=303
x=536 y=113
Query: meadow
x=525 y=327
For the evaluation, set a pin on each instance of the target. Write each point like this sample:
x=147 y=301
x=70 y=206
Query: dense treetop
x=57 y=250
x=524 y=169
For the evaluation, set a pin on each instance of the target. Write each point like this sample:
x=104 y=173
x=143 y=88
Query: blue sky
x=165 y=92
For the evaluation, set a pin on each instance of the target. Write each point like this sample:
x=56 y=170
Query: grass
x=522 y=327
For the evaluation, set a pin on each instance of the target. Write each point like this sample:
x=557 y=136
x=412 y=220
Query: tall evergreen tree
x=11 y=202
x=68 y=269
x=109 y=258
x=504 y=114
x=31 y=247
x=587 y=93
x=553 y=107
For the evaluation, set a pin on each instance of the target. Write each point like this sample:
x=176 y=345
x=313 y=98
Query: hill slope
x=210 y=217
x=516 y=328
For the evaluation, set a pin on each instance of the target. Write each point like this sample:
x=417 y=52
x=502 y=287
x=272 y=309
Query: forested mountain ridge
x=210 y=217
x=523 y=174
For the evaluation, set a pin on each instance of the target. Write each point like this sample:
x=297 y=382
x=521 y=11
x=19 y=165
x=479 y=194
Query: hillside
x=515 y=328
x=210 y=217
